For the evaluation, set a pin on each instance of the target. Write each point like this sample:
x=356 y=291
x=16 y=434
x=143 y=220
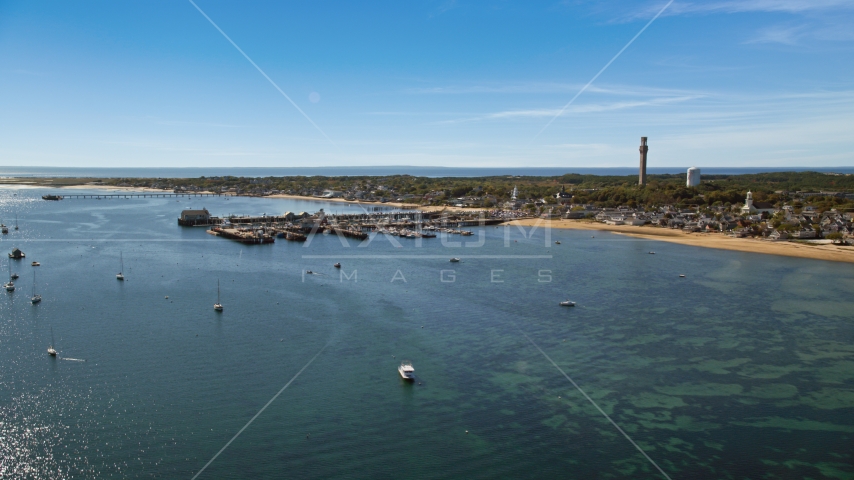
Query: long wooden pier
x=99 y=196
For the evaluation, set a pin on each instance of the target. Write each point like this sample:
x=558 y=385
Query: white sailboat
x=50 y=350
x=120 y=277
x=217 y=305
x=10 y=285
x=35 y=298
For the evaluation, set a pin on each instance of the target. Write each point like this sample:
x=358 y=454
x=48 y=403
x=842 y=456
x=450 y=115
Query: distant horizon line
x=752 y=167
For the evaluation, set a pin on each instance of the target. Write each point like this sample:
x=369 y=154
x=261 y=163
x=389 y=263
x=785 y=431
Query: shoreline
x=403 y=206
x=833 y=253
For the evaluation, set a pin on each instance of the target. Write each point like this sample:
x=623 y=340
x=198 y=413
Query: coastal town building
x=750 y=207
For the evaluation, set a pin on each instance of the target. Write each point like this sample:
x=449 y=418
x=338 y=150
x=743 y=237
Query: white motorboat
x=455 y=260
x=652 y=253
x=217 y=305
x=406 y=371
x=50 y=350
x=36 y=264
x=120 y=276
x=567 y=303
x=682 y=275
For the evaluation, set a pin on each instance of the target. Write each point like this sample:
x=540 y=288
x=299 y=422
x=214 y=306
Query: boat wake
x=73 y=359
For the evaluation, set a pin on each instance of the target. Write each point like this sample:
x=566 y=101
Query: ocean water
x=742 y=369
x=382 y=170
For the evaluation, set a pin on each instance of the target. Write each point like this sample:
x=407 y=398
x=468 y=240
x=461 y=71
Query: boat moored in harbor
x=406 y=371
x=567 y=303
x=217 y=305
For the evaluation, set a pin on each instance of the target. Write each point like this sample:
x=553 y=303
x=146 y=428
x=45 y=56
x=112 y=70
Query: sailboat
x=217 y=305
x=50 y=350
x=119 y=276
x=35 y=298
x=10 y=285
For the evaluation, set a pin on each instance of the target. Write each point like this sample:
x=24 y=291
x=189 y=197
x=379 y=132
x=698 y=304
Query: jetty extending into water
x=101 y=196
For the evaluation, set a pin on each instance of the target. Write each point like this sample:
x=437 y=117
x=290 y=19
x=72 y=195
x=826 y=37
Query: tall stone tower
x=642 y=174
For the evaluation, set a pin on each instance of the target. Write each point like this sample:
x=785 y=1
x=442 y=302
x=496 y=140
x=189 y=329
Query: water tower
x=693 y=177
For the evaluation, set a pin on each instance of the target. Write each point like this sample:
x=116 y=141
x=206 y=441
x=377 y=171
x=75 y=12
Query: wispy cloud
x=779 y=34
x=575 y=109
x=547 y=88
x=744 y=6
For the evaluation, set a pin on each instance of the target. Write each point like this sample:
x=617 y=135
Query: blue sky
x=438 y=83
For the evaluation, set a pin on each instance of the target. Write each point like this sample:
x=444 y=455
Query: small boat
x=17 y=254
x=9 y=286
x=35 y=298
x=455 y=260
x=652 y=253
x=217 y=305
x=36 y=264
x=54 y=197
x=4 y=228
x=309 y=272
x=557 y=242
x=406 y=371
x=337 y=265
x=50 y=350
x=567 y=303
x=120 y=277
x=681 y=275
x=14 y=276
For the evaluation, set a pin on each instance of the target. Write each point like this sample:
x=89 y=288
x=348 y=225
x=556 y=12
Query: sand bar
x=833 y=253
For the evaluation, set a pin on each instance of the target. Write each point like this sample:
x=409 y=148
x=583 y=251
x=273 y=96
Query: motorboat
x=681 y=275
x=309 y=272
x=337 y=265
x=36 y=264
x=406 y=371
x=652 y=253
x=567 y=303
x=14 y=276
x=9 y=286
x=455 y=260
x=557 y=242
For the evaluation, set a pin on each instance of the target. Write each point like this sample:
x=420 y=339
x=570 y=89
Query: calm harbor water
x=743 y=369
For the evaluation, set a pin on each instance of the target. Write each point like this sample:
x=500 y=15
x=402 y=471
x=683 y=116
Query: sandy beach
x=834 y=253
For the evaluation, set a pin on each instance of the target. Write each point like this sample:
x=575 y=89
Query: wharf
x=243 y=235
x=101 y=196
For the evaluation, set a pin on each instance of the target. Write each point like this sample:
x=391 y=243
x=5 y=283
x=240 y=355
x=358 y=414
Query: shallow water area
x=742 y=369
